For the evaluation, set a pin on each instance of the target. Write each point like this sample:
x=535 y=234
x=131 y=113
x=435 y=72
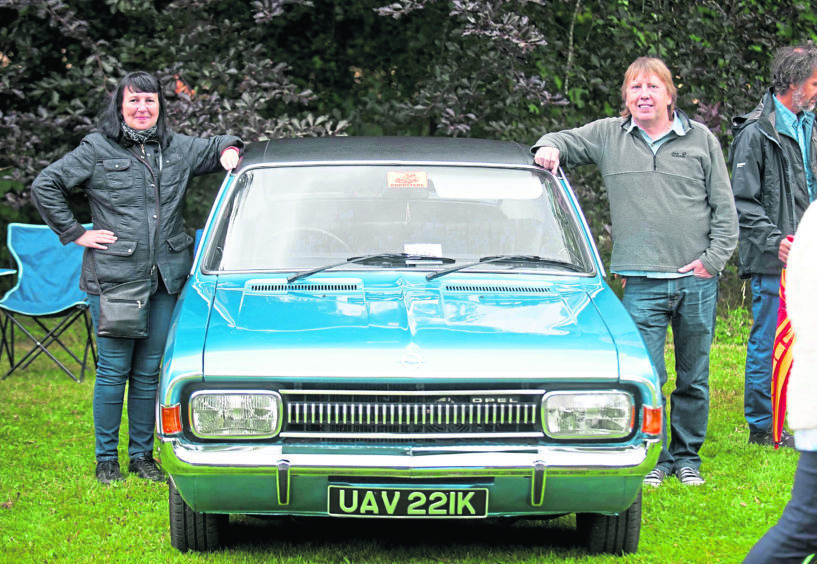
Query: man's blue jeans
x=134 y=362
x=794 y=537
x=757 y=390
x=689 y=305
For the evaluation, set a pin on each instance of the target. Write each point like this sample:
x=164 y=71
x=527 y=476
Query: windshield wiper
x=516 y=259
x=381 y=259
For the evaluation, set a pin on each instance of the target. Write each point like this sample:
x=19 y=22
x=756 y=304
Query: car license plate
x=404 y=502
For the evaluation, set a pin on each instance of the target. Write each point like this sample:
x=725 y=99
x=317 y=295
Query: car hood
x=394 y=328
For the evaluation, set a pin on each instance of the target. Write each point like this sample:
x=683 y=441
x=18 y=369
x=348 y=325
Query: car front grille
x=395 y=414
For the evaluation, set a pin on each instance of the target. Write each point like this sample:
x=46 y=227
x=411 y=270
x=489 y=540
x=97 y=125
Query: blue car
x=411 y=328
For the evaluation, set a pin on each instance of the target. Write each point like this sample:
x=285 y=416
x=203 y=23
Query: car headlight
x=588 y=414
x=235 y=414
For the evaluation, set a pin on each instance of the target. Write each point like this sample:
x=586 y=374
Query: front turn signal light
x=171 y=419
x=652 y=423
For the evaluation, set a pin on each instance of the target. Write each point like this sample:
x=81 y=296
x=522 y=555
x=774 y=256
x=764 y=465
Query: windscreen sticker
x=407 y=179
x=423 y=249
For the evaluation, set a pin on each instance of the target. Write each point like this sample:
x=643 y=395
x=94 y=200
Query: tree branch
x=570 y=45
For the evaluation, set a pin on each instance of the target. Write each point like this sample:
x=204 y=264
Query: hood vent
x=281 y=286
x=493 y=288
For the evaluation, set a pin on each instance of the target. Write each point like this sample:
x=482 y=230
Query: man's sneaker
x=767 y=438
x=689 y=476
x=145 y=467
x=655 y=478
x=107 y=471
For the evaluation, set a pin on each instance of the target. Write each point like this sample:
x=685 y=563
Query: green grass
x=52 y=508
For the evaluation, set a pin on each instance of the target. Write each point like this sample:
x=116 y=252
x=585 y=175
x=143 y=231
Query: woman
x=135 y=172
x=794 y=538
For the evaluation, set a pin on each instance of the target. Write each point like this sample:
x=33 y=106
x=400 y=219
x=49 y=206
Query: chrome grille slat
x=346 y=414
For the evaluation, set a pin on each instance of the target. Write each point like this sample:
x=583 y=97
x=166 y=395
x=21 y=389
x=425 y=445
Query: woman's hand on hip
x=96 y=239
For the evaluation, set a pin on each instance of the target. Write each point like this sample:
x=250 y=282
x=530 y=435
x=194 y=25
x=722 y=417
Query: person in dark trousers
x=674 y=228
x=134 y=172
x=794 y=538
x=772 y=156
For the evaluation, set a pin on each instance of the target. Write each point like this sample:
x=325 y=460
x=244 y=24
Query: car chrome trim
x=406 y=436
x=177 y=383
x=282 y=482
x=515 y=461
x=466 y=392
x=537 y=484
x=366 y=414
x=642 y=381
x=220 y=195
x=585 y=227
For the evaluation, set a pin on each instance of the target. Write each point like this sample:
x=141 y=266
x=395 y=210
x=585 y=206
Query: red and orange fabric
x=781 y=364
x=182 y=87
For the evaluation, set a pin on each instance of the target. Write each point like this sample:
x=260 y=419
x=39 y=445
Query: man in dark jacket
x=773 y=160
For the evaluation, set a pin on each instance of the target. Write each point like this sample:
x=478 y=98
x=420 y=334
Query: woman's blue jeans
x=135 y=362
x=689 y=305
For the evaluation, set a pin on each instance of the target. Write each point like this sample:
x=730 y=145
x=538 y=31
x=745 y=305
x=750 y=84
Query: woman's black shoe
x=107 y=471
x=145 y=467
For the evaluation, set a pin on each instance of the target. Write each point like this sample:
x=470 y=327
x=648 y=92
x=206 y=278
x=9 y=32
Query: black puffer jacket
x=121 y=181
x=769 y=183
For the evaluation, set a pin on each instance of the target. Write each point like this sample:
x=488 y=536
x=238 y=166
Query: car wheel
x=189 y=530
x=616 y=534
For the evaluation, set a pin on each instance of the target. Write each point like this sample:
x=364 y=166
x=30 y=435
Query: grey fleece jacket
x=667 y=209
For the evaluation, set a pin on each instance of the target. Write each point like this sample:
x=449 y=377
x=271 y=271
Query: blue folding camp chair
x=47 y=289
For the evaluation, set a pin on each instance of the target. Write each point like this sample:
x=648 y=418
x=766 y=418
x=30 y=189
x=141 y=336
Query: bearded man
x=773 y=159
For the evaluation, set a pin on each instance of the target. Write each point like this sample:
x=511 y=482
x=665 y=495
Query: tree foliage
x=507 y=69
x=215 y=59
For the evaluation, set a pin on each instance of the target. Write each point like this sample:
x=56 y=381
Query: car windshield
x=430 y=217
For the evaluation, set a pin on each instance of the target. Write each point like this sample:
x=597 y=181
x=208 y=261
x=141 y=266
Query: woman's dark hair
x=110 y=119
x=793 y=65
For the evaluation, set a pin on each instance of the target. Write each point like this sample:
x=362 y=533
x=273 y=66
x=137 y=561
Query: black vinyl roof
x=387 y=150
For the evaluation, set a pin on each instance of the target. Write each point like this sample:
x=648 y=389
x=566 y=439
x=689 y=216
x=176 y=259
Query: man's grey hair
x=793 y=65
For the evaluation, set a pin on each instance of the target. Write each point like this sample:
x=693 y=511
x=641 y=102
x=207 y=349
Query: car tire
x=614 y=534
x=199 y=532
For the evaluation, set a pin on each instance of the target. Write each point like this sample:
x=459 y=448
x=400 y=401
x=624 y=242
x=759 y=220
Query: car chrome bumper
x=417 y=462
x=600 y=468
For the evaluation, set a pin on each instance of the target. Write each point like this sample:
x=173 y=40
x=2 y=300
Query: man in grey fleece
x=674 y=228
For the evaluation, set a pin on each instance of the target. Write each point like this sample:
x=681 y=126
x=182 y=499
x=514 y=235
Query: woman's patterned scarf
x=139 y=135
